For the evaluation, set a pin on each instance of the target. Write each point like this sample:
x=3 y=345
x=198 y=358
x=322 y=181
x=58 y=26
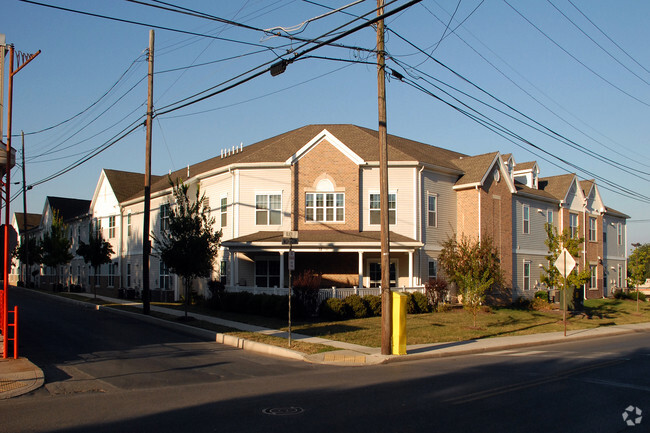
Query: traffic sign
x=565 y=263
x=292 y=260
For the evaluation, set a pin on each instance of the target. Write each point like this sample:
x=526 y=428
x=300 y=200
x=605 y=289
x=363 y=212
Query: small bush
x=217 y=290
x=374 y=304
x=540 y=304
x=417 y=303
x=620 y=294
x=358 y=306
x=306 y=287
x=541 y=294
x=334 y=309
x=436 y=290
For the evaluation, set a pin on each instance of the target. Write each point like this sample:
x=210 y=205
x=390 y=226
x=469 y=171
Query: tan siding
x=439 y=185
x=400 y=180
x=260 y=181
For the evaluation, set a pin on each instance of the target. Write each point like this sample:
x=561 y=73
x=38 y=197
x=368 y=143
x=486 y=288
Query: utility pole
x=26 y=236
x=146 y=240
x=7 y=190
x=386 y=301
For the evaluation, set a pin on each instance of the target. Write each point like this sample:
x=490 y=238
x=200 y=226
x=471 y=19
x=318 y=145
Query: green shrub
x=620 y=294
x=417 y=303
x=541 y=294
x=334 y=309
x=374 y=304
x=358 y=306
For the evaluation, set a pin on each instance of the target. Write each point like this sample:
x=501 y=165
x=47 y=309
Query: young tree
x=189 y=245
x=637 y=267
x=96 y=252
x=56 y=245
x=551 y=276
x=474 y=266
x=29 y=253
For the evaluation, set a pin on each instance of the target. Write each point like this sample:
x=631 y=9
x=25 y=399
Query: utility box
x=399 y=323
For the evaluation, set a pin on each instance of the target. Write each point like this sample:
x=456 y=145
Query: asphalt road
x=107 y=373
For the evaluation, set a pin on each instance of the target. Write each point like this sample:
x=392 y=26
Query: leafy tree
x=29 y=253
x=551 y=276
x=56 y=245
x=96 y=252
x=474 y=266
x=637 y=267
x=189 y=245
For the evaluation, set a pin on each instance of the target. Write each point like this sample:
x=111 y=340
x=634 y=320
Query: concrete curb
x=23 y=377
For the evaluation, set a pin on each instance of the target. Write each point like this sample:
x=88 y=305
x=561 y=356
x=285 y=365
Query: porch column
x=235 y=268
x=411 y=269
x=281 y=269
x=360 y=269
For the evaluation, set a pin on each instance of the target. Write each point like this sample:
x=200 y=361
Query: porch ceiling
x=322 y=240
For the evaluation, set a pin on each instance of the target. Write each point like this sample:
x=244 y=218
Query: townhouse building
x=323 y=182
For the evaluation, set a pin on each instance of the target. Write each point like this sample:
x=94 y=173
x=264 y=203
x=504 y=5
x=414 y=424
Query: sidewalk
x=21 y=376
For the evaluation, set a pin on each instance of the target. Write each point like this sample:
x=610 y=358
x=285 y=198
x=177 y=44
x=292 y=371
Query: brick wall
x=496 y=222
x=324 y=161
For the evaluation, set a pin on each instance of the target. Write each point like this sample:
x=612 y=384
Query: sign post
x=290 y=238
x=565 y=264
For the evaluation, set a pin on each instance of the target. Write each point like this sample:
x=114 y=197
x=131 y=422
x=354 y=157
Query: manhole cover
x=283 y=410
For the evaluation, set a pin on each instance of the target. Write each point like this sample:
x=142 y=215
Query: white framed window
x=593 y=280
x=111 y=275
x=268 y=209
x=267 y=272
x=165 y=277
x=164 y=217
x=525 y=211
x=433 y=269
x=592 y=229
x=374 y=273
x=573 y=224
x=111 y=227
x=375 y=211
x=223 y=272
x=619 y=277
x=619 y=233
x=128 y=275
x=223 y=211
x=320 y=206
x=128 y=224
x=432 y=210
x=549 y=216
x=526 y=275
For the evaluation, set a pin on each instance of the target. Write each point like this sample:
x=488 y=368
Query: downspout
x=478 y=190
x=584 y=249
x=120 y=249
x=419 y=219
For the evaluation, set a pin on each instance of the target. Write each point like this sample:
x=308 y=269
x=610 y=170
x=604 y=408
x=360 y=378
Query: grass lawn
x=452 y=325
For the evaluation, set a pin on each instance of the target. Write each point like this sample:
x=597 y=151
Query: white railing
x=334 y=292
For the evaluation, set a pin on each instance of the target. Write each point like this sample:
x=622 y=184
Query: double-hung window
x=526 y=219
x=619 y=279
x=128 y=224
x=165 y=277
x=267 y=273
x=328 y=206
x=111 y=275
x=432 y=210
x=433 y=269
x=268 y=209
x=592 y=229
x=526 y=275
x=573 y=224
x=593 y=282
x=549 y=217
x=111 y=227
x=375 y=211
x=619 y=233
x=223 y=209
x=164 y=217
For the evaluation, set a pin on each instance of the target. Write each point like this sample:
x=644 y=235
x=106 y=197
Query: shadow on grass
x=327 y=329
x=517 y=329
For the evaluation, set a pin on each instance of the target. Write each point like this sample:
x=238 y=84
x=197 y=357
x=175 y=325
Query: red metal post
x=5 y=271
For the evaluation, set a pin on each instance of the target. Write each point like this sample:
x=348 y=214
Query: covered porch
x=342 y=259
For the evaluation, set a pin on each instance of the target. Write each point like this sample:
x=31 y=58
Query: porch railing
x=326 y=293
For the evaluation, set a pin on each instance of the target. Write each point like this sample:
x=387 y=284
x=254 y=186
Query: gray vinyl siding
x=534 y=240
x=612 y=249
x=535 y=275
x=441 y=186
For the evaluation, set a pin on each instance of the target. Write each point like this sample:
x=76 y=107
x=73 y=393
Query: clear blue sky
x=532 y=58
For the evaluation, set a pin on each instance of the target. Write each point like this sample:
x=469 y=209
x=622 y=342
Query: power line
x=138 y=23
x=575 y=58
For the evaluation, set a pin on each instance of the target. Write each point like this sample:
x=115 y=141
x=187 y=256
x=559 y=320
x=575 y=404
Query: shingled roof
x=33 y=220
x=278 y=149
x=69 y=208
x=474 y=168
x=126 y=184
x=557 y=186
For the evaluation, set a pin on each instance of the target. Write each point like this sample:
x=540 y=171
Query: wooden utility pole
x=25 y=235
x=146 y=240
x=386 y=301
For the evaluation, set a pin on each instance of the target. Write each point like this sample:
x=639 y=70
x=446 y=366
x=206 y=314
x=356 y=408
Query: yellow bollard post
x=399 y=323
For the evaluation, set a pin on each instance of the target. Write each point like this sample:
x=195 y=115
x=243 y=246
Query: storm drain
x=282 y=411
